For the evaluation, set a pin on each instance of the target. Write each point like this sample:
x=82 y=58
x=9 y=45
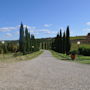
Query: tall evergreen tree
x=64 y=43
x=42 y=45
x=32 y=42
x=68 y=44
x=32 y=37
x=21 y=39
x=57 y=43
x=27 y=41
x=60 y=42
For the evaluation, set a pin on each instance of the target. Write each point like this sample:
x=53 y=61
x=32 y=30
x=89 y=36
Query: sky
x=44 y=18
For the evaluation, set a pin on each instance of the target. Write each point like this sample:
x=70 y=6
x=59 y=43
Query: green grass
x=84 y=61
x=60 y=56
x=79 y=59
x=11 y=57
x=74 y=46
x=78 y=37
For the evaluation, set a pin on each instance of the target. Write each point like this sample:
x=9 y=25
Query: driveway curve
x=45 y=73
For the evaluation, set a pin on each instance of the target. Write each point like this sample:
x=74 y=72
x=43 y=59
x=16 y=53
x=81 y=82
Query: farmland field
x=74 y=46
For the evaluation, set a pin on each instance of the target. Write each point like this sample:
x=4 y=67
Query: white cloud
x=43 y=31
x=33 y=30
x=5 y=29
x=17 y=32
x=8 y=35
x=88 y=23
x=86 y=30
x=47 y=25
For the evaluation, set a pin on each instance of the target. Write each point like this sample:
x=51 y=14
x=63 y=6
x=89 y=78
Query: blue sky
x=44 y=18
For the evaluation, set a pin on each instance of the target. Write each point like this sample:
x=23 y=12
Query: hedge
x=84 y=51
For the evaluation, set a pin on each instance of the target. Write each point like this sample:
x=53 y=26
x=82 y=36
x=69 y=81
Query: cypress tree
x=57 y=43
x=42 y=45
x=21 y=39
x=32 y=37
x=68 y=44
x=53 y=46
x=45 y=45
x=29 y=42
x=64 y=43
x=32 y=42
x=26 y=39
x=60 y=42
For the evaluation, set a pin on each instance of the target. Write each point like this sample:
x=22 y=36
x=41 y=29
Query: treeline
x=62 y=42
x=9 y=47
x=27 y=42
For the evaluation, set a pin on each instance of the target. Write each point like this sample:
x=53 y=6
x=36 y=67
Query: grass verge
x=60 y=56
x=79 y=59
x=10 y=58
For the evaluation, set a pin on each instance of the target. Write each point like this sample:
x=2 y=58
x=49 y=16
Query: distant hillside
x=74 y=38
x=78 y=37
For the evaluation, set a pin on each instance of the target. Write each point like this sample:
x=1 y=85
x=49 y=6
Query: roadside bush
x=12 y=47
x=73 y=52
x=84 y=51
x=17 y=54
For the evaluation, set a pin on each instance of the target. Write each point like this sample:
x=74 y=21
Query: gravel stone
x=44 y=73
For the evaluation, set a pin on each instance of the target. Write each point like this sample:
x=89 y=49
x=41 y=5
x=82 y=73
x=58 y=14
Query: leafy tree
x=68 y=44
x=11 y=46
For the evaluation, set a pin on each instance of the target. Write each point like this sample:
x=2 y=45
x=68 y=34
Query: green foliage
x=17 y=57
x=68 y=44
x=77 y=37
x=27 y=43
x=32 y=37
x=60 y=42
x=27 y=40
x=9 y=47
x=60 y=55
x=73 y=52
x=22 y=39
x=84 y=51
x=5 y=50
x=12 y=47
x=57 y=43
x=79 y=59
x=74 y=46
x=64 y=43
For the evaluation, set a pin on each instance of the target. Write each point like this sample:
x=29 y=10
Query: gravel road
x=44 y=73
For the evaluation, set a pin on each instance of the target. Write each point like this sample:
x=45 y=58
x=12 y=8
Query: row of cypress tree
x=27 y=42
x=62 y=43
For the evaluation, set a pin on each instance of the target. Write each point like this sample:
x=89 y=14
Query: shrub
x=73 y=52
x=84 y=51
